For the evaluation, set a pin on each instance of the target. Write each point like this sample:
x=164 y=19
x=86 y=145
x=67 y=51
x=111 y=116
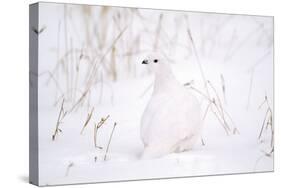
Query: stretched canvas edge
x=33 y=94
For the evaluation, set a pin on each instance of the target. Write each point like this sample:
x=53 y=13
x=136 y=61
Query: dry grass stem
x=250 y=88
x=202 y=142
x=267 y=121
x=220 y=114
x=69 y=166
x=61 y=116
x=252 y=72
x=102 y=121
x=219 y=106
x=223 y=88
x=197 y=57
x=109 y=141
x=217 y=109
x=95 y=66
x=40 y=30
x=263 y=123
x=206 y=111
x=87 y=120
x=96 y=128
x=80 y=100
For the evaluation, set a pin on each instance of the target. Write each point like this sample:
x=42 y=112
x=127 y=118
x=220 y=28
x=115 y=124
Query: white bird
x=172 y=119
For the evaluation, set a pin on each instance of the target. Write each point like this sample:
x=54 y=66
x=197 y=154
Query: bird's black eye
x=155 y=60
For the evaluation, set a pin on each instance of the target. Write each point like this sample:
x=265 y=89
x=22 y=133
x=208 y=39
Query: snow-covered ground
x=234 y=48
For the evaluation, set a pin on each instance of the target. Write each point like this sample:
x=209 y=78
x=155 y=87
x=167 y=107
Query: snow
x=235 y=46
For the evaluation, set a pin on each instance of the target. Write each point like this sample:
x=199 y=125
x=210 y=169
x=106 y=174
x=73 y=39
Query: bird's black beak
x=145 y=61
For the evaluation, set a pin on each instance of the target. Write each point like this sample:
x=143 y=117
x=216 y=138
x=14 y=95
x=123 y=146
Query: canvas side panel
x=33 y=94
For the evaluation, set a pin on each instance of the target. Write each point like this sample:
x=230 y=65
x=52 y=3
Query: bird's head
x=156 y=63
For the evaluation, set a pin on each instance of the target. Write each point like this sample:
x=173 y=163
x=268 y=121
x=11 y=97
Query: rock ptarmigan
x=172 y=119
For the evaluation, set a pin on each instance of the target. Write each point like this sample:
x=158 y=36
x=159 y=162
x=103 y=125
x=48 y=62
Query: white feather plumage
x=171 y=121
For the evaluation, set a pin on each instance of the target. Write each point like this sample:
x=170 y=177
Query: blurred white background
x=14 y=91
